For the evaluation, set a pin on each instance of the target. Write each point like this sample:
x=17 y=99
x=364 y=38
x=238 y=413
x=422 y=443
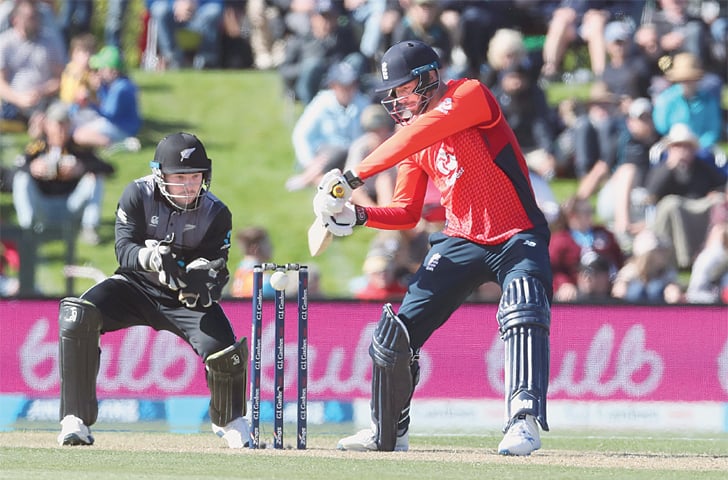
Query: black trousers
x=122 y=305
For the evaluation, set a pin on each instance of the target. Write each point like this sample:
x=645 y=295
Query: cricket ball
x=279 y=280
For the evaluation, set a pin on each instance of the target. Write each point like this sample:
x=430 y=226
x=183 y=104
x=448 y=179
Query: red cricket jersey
x=471 y=154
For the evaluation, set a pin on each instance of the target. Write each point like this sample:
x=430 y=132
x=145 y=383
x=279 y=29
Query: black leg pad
x=227 y=373
x=79 y=324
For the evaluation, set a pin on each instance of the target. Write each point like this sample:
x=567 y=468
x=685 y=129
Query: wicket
x=280 y=320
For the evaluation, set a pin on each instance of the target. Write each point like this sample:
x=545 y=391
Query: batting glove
x=334 y=190
x=342 y=224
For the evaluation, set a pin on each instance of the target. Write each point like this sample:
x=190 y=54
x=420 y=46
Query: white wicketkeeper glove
x=157 y=256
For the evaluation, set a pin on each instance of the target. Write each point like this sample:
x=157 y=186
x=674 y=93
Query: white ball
x=279 y=280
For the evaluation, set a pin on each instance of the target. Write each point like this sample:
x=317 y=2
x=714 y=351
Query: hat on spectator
x=680 y=133
x=617 y=32
x=685 y=67
x=108 y=57
x=639 y=107
x=374 y=117
x=58 y=111
x=341 y=73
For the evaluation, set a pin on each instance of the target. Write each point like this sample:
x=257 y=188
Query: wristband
x=361 y=215
x=353 y=181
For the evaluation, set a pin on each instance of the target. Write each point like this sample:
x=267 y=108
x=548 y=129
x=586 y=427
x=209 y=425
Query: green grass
x=568 y=455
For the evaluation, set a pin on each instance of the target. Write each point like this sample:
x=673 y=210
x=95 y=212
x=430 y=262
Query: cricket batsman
x=455 y=134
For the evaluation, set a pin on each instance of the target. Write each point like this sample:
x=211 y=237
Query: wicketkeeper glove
x=205 y=281
x=157 y=256
x=342 y=224
x=334 y=191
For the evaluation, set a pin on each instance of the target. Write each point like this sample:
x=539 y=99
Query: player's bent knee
x=524 y=302
x=78 y=317
x=227 y=372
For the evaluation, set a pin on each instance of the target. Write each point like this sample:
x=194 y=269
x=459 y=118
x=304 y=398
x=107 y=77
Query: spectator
x=257 y=249
x=594 y=279
x=76 y=85
x=621 y=202
x=689 y=102
x=74 y=18
x=267 y=30
x=709 y=275
x=683 y=190
x=118 y=117
x=31 y=62
x=327 y=127
x=235 y=51
x=421 y=22
x=474 y=25
x=200 y=16
x=715 y=15
x=533 y=122
x=584 y=19
x=506 y=51
x=677 y=30
x=575 y=235
x=381 y=281
x=377 y=126
x=116 y=12
x=595 y=138
x=58 y=182
x=649 y=275
x=625 y=73
x=311 y=54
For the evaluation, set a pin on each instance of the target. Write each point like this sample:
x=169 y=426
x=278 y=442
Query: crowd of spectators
x=644 y=148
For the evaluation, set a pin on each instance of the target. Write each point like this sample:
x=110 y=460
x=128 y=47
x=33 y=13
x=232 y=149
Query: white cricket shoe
x=236 y=433
x=522 y=437
x=74 y=432
x=365 y=441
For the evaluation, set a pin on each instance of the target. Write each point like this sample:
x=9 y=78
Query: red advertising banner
x=632 y=353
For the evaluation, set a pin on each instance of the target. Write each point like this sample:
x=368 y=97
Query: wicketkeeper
x=172 y=244
x=455 y=134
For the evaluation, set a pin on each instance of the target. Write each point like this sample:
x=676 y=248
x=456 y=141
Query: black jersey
x=143 y=214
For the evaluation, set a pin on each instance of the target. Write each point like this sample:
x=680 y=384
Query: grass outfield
x=565 y=455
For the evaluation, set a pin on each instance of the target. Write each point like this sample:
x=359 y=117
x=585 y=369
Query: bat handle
x=337 y=191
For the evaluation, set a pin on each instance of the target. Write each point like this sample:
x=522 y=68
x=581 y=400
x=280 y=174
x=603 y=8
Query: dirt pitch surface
x=324 y=448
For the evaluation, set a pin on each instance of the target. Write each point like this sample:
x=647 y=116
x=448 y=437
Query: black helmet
x=405 y=61
x=402 y=63
x=181 y=153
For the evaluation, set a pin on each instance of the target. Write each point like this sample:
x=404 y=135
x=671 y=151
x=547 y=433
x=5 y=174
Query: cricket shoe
x=522 y=437
x=74 y=432
x=366 y=441
x=236 y=433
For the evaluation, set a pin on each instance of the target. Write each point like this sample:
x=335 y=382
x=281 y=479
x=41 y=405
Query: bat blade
x=319 y=237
